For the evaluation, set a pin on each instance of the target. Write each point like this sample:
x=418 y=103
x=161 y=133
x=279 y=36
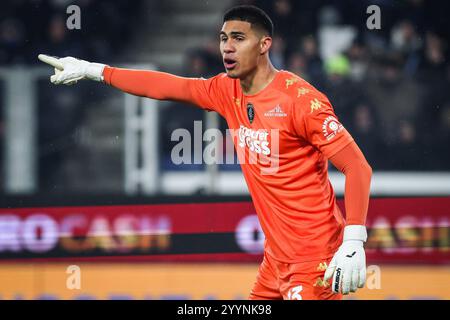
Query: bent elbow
x=367 y=170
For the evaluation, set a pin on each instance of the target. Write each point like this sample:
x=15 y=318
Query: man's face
x=240 y=47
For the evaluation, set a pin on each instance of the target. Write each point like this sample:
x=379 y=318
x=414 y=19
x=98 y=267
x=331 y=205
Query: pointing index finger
x=53 y=61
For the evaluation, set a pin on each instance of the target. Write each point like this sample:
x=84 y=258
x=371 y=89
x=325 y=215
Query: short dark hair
x=252 y=14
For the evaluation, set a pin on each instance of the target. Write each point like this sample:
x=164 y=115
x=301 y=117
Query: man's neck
x=259 y=79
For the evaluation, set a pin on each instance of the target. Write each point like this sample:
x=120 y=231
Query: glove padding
x=70 y=70
x=348 y=266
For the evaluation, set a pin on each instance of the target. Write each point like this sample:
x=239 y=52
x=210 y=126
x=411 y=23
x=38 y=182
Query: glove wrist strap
x=94 y=71
x=355 y=232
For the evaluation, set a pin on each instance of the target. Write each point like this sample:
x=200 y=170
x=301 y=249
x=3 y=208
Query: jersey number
x=294 y=293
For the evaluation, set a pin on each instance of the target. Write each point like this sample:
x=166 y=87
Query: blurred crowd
x=389 y=86
x=30 y=26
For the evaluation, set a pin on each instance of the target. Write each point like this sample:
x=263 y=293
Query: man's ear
x=265 y=43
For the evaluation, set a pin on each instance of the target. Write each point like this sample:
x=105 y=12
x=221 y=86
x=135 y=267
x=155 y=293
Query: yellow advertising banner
x=194 y=281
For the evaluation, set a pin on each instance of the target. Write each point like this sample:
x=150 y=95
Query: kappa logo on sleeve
x=291 y=81
x=315 y=105
x=302 y=91
x=331 y=127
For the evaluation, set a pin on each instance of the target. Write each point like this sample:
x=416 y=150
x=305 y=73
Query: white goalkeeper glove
x=348 y=266
x=69 y=70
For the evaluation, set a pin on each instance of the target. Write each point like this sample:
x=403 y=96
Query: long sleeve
x=358 y=173
x=164 y=86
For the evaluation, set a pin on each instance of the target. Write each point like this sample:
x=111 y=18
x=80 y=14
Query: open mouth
x=229 y=63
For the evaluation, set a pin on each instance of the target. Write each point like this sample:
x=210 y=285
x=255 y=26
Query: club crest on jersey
x=250 y=112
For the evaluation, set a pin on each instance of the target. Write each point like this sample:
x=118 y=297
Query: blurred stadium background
x=86 y=172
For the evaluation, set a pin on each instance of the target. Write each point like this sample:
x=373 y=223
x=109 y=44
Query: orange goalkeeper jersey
x=283 y=137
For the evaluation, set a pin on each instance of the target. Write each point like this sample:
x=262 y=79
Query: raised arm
x=152 y=84
x=144 y=83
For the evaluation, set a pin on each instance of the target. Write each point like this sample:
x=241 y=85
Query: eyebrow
x=233 y=33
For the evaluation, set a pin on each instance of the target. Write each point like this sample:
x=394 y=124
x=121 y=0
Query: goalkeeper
x=286 y=131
